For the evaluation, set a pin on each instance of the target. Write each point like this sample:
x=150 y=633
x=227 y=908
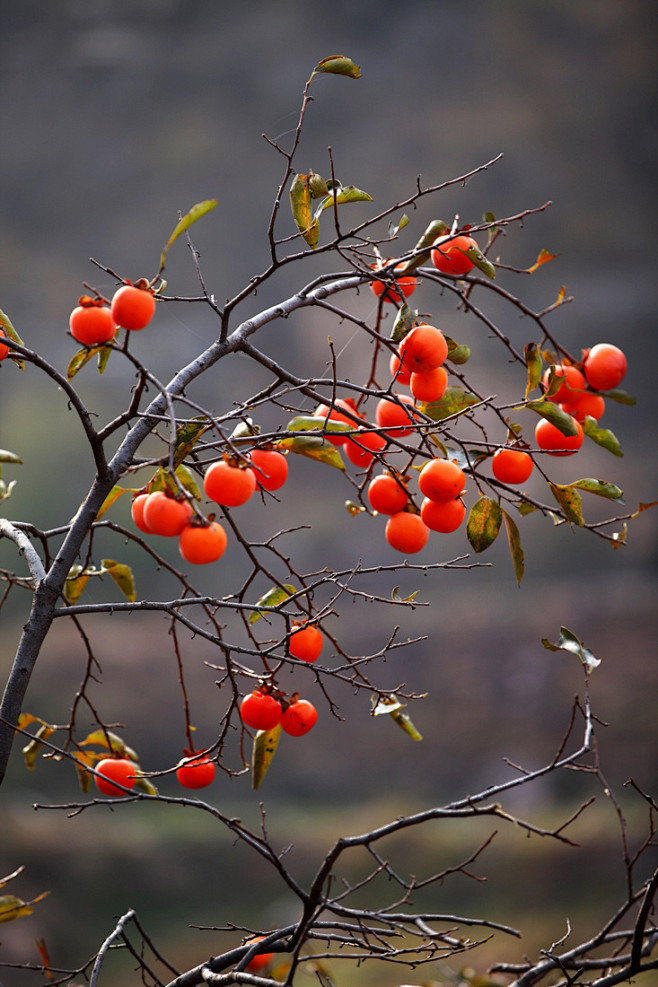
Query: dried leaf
x=262 y=753
x=569 y=642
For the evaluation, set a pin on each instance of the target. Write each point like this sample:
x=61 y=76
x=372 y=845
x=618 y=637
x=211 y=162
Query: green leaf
x=79 y=359
x=483 y=525
x=338 y=65
x=313 y=423
x=12 y=908
x=6 y=324
x=103 y=357
x=514 y=540
x=554 y=414
x=122 y=576
x=602 y=436
x=315 y=448
x=621 y=397
x=196 y=212
x=601 y=488
x=392 y=706
x=188 y=480
x=403 y=322
x=113 y=496
x=346 y=193
x=109 y=741
x=262 y=752
x=569 y=642
x=394 y=228
x=534 y=364
x=422 y=249
x=454 y=400
x=31 y=750
x=145 y=785
x=300 y=204
x=570 y=501
x=457 y=353
x=395 y=596
x=274 y=596
x=475 y=255
x=76 y=581
x=187 y=435
x=9 y=457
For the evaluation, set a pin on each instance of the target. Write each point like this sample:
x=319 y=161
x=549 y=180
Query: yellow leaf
x=542 y=258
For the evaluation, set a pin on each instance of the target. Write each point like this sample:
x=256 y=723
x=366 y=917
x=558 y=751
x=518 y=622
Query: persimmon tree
x=423 y=451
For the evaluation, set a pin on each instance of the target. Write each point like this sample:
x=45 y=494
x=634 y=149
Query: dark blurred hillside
x=114 y=116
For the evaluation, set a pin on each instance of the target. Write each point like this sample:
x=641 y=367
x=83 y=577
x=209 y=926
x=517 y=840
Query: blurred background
x=117 y=115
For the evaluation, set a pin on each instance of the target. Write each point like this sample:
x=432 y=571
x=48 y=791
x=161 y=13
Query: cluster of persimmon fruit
x=193 y=771
x=93 y=322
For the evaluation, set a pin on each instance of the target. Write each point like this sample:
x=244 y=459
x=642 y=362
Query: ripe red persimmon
x=572 y=381
x=584 y=403
x=441 y=479
x=133 y=307
x=270 y=468
x=260 y=960
x=605 y=366
x=137 y=512
x=4 y=350
x=197 y=771
x=430 y=386
x=551 y=440
x=306 y=643
x=445 y=516
x=423 y=349
x=229 y=485
x=361 y=449
x=394 y=416
x=511 y=465
x=334 y=414
x=449 y=257
x=164 y=515
x=299 y=717
x=92 y=323
x=115 y=771
x=399 y=372
x=405 y=285
x=387 y=495
x=406 y=532
x=260 y=711
x=202 y=543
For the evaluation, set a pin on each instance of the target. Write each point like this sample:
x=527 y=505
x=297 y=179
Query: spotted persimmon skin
x=201 y=544
x=114 y=771
x=298 y=718
x=430 y=386
x=260 y=711
x=423 y=349
x=133 y=307
x=230 y=486
x=196 y=772
x=92 y=324
x=511 y=465
x=306 y=643
x=396 y=416
x=449 y=257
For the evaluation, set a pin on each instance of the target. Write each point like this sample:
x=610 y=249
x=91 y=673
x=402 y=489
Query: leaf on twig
x=554 y=414
x=123 y=576
x=542 y=258
x=570 y=501
x=187 y=435
x=338 y=65
x=75 y=583
x=483 y=525
x=300 y=204
x=113 y=496
x=569 y=642
x=6 y=324
x=601 y=488
x=196 y=212
x=272 y=598
x=31 y=750
x=12 y=907
x=9 y=457
x=262 y=753
x=79 y=359
x=514 y=539
x=109 y=741
x=602 y=436
x=454 y=400
x=392 y=706
x=534 y=364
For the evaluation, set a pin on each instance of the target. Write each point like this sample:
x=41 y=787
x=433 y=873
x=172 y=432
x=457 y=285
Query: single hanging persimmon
x=92 y=322
x=133 y=306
